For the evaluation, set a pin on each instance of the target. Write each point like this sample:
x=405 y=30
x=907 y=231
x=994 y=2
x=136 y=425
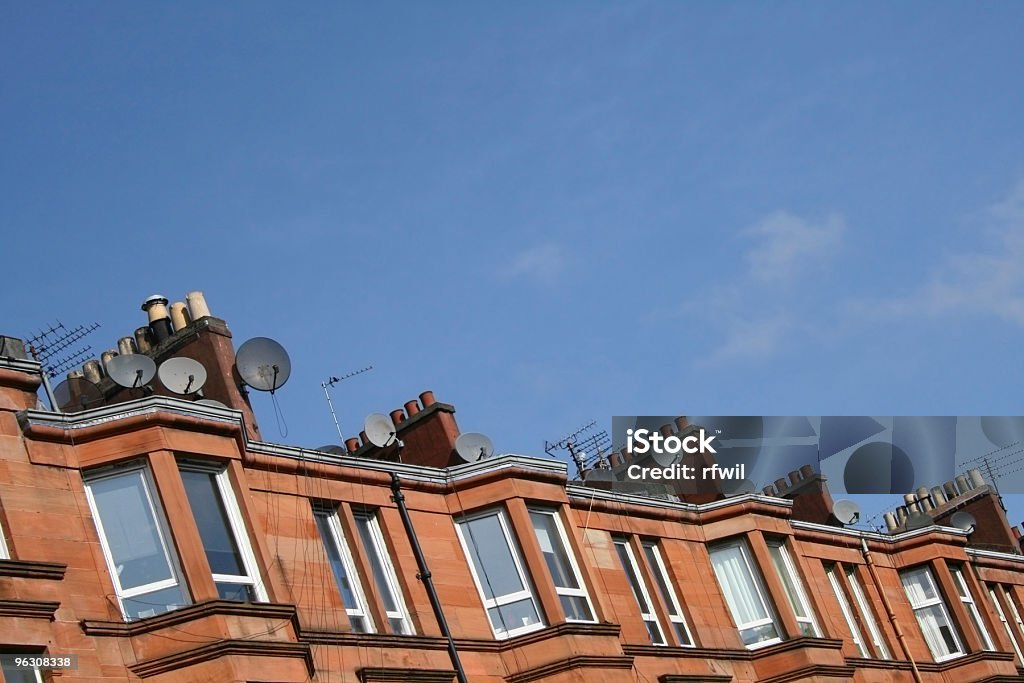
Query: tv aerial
x=381 y=431
x=962 y=519
x=263 y=364
x=330 y=382
x=582 y=450
x=131 y=370
x=846 y=512
x=59 y=348
x=473 y=446
x=182 y=375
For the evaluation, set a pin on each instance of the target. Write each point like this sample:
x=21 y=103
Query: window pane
x=151 y=604
x=794 y=592
x=937 y=631
x=634 y=580
x=236 y=591
x=554 y=551
x=212 y=520
x=379 y=575
x=132 y=533
x=514 y=615
x=12 y=675
x=491 y=554
x=334 y=557
x=920 y=588
x=575 y=608
x=742 y=595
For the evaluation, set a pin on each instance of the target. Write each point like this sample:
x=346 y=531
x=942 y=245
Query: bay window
x=932 y=615
x=745 y=594
x=971 y=607
x=384 y=578
x=794 y=588
x=640 y=592
x=344 y=569
x=565 y=573
x=668 y=593
x=866 y=615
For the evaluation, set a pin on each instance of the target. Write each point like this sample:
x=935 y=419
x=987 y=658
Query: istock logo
x=641 y=441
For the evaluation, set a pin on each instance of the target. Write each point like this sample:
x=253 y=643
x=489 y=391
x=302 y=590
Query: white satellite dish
x=737 y=487
x=473 y=446
x=182 y=375
x=263 y=364
x=131 y=370
x=846 y=511
x=962 y=519
x=380 y=430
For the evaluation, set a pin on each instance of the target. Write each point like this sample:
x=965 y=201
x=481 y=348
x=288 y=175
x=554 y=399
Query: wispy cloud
x=987 y=280
x=544 y=264
x=753 y=313
x=788 y=245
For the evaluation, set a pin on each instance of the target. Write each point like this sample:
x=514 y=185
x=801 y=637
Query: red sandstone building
x=161 y=539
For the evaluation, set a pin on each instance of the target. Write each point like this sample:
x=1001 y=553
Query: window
x=1006 y=624
x=384 y=577
x=972 y=609
x=844 y=607
x=668 y=594
x=498 y=573
x=794 y=588
x=931 y=614
x=135 y=541
x=744 y=594
x=643 y=597
x=344 y=568
x=866 y=615
x=222 y=532
x=565 y=574
x=4 y=553
x=12 y=674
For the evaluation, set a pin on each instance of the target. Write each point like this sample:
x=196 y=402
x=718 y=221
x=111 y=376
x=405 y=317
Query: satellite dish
x=599 y=474
x=131 y=370
x=77 y=393
x=737 y=487
x=333 y=449
x=182 y=375
x=380 y=430
x=473 y=446
x=963 y=519
x=263 y=364
x=211 y=402
x=919 y=520
x=846 y=511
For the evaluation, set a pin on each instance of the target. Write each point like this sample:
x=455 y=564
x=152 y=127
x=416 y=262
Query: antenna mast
x=578 y=448
x=330 y=382
x=56 y=350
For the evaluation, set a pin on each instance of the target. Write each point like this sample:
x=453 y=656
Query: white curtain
x=738 y=585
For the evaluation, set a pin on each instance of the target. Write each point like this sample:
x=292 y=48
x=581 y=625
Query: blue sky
x=545 y=212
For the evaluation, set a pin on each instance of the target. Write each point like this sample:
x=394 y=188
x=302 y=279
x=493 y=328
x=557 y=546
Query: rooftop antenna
x=182 y=375
x=57 y=349
x=597 y=443
x=330 y=382
x=263 y=364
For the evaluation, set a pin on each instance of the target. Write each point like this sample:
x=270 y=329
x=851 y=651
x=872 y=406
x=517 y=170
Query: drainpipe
x=900 y=636
x=424 y=575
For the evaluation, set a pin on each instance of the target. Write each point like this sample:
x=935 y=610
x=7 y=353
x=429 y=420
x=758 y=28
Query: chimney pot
x=398 y=416
x=794 y=477
x=106 y=356
x=950 y=489
x=412 y=407
x=890 y=521
x=427 y=399
x=769 y=490
x=92 y=370
x=615 y=459
x=681 y=423
x=962 y=484
x=902 y=514
x=352 y=444
x=179 y=316
x=975 y=478
x=144 y=339
x=666 y=430
x=938 y=496
x=197 y=307
x=781 y=485
x=126 y=345
x=364 y=438
x=807 y=471
x=159 y=320
x=1016 y=532
x=911 y=500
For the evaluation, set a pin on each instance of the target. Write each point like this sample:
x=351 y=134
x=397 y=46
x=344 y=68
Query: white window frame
x=1006 y=624
x=237 y=528
x=580 y=592
x=938 y=600
x=790 y=578
x=675 y=613
x=972 y=608
x=162 y=529
x=844 y=607
x=361 y=610
x=380 y=548
x=5 y=554
x=35 y=669
x=1013 y=609
x=647 y=611
x=498 y=601
x=758 y=582
x=867 y=616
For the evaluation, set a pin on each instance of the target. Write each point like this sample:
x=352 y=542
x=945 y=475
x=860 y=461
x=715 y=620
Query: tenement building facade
x=157 y=538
